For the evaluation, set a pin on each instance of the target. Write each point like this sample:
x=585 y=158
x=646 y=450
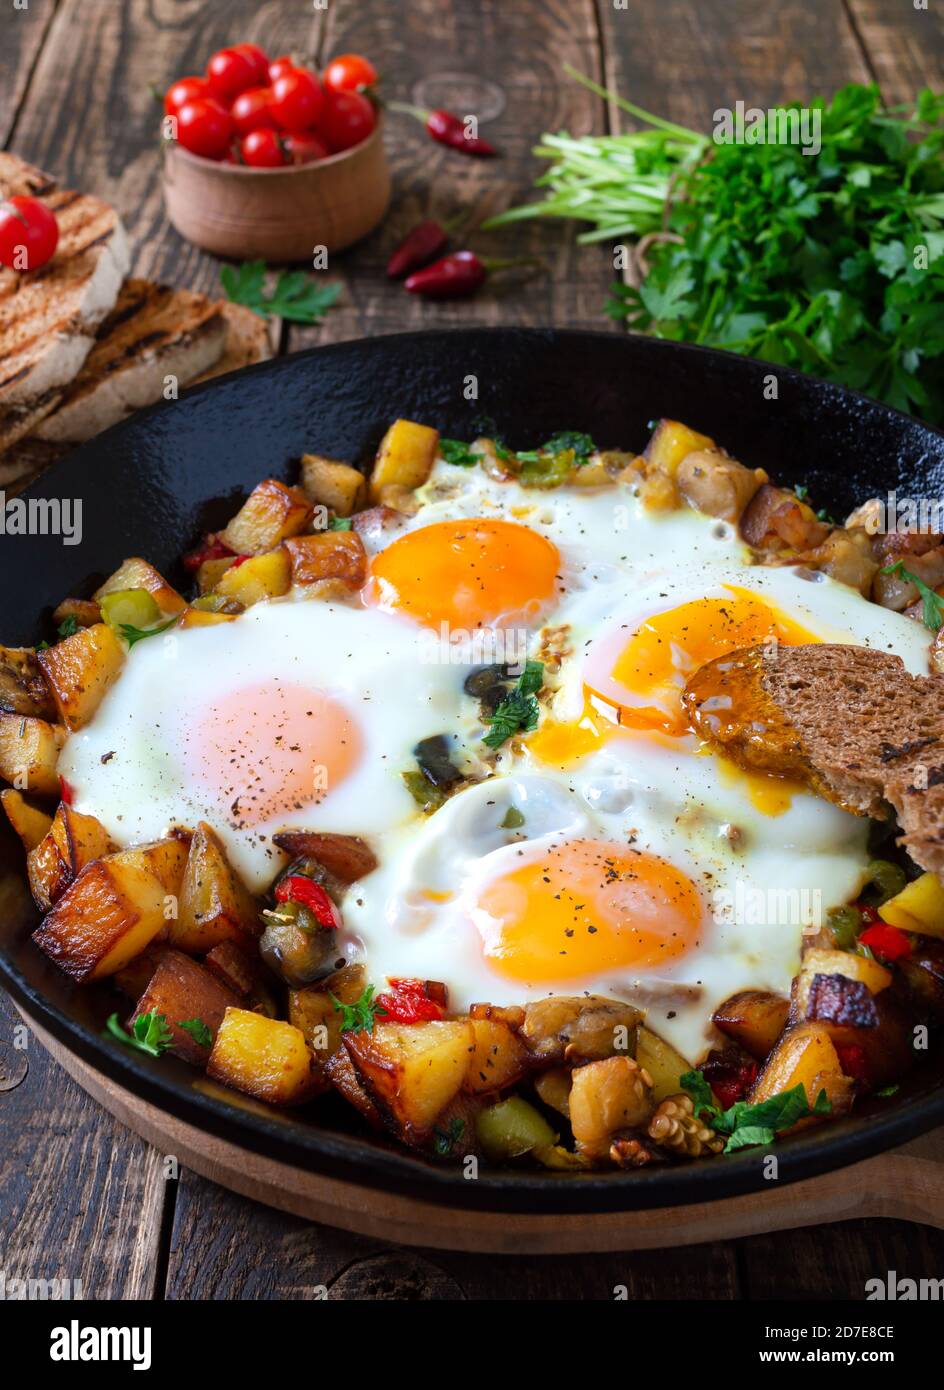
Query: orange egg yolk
x=273 y=749
x=644 y=677
x=586 y=906
x=466 y=575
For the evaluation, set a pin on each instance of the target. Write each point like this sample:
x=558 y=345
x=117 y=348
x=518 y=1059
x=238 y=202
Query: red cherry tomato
x=252 y=110
x=297 y=99
x=280 y=66
x=230 y=72
x=262 y=149
x=348 y=118
x=205 y=128
x=29 y=233
x=258 y=59
x=183 y=90
x=304 y=147
x=349 y=73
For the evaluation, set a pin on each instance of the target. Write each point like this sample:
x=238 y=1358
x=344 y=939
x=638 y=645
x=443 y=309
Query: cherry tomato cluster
x=248 y=109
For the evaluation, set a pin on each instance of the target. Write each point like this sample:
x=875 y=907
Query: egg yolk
x=273 y=749
x=586 y=906
x=465 y=575
x=644 y=676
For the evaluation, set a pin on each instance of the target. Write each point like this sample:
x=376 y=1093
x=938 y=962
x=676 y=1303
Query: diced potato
x=594 y=473
x=264 y=1057
x=919 y=907
x=874 y=1023
x=133 y=979
x=184 y=991
x=312 y=1010
x=347 y=857
x=412 y=1070
x=113 y=910
x=328 y=555
x=717 y=485
x=804 y=1056
x=344 y=1077
x=23 y=688
x=671 y=441
x=923 y=972
x=330 y=483
x=820 y=962
x=261 y=577
x=29 y=822
x=138 y=574
x=211 y=572
x=80 y=669
x=606 y=1097
x=29 y=753
x=398 y=498
x=271 y=513
x=406 y=456
x=580 y=1028
x=553 y=1088
x=242 y=971
x=499 y=1058
x=84 y=612
x=214 y=902
x=755 y=1018
x=198 y=617
x=662 y=1061
x=73 y=841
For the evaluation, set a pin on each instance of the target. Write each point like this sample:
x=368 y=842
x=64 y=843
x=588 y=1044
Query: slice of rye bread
x=849 y=722
x=48 y=317
x=153 y=332
x=249 y=338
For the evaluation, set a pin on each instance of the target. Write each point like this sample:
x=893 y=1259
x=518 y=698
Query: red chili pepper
x=426 y=240
x=411 y=1001
x=299 y=889
x=869 y=913
x=457 y=275
x=66 y=791
x=211 y=549
x=448 y=129
x=885 y=941
x=854 y=1062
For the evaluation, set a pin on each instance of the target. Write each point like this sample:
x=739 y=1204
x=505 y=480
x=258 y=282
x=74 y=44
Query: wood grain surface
x=79 y=1196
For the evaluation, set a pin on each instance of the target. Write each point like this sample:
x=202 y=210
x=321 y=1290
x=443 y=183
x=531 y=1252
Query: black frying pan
x=150 y=486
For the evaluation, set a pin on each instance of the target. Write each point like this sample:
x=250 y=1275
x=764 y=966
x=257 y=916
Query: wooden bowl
x=278 y=214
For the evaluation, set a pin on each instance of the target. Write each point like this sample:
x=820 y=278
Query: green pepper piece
x=511 y=1128
x=129 y=608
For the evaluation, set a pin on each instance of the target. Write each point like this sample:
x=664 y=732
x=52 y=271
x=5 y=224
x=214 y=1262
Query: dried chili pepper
x=448 y=129
x=457 y=275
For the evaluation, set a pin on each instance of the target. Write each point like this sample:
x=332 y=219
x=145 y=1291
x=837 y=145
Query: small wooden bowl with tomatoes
x=264 y=160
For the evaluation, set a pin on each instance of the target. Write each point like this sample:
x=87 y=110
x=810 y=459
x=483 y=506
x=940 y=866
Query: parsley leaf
x=138 y=634
x=446 y=1139
x=581 y=444
x=340 y=523
x=68 y=627
x=149 y=1033
x=454 y=451
x=519 y=711
x=197 y=1030
x=932 y=603
x=359 y=1016
x=746 y=1123
x=296 y=296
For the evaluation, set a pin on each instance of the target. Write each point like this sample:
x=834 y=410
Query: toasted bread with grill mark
x=48 y=317
x=849 y=722
x=153 y=332
x=19 y=179
x=249 y=339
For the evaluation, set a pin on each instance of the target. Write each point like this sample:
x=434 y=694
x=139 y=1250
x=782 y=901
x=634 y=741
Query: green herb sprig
x=747 y=1124
x=149 y=1033
x=359 y=1017
x=519 y=711
x=932 y=605
x=296 y=296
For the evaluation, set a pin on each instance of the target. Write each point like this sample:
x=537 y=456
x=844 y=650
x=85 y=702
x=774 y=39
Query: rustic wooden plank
x=505 y=54
x=251 y=1252
x=904 y=45
x=90 y=118
x=82 y=1198
x=836 y=1261
x=23 y=34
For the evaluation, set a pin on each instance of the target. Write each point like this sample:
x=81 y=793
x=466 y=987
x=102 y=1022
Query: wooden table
x=79 y=1196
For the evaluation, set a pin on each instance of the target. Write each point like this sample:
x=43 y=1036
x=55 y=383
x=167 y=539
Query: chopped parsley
x=454 y=451
x=340 y=523
x=359 y=1017
x=519 y=710
x=932 y=603
x=138 y=634
x=68 y=627
x=747 y=1124
x=581 y=444
x=514 y=819
x=149 y=1033
x=446 y=1139
x=197 y=1030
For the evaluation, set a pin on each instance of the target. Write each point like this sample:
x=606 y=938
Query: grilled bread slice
x=849 y=722
x=18 y=179
x=249 y=338
x=153 y=332
x=48 y=317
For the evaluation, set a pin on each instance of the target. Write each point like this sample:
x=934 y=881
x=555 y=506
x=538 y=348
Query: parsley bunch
x=746 y=1124
x=296 y=296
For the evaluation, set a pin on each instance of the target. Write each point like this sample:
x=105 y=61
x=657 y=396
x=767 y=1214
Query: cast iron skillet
x=151 y=485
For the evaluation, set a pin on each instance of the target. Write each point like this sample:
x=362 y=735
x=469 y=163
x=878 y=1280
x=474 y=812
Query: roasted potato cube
x=84 y=612
x=211 y=572
x=848 y=996
x=553 y=1088
x=328 y=555
x=671 y=442
x=606 y=1097
x=398 y=498
x=261 y=577
x=661 y=1060
x=579 y=1028
x=330 y=483
x=138 y=574
x=271 y=513
x=73 y=841
x=717 y=485
x=214 y=902
x=243 y=972
x=80 y=669
x=184 y=991
x=919 y=907
x=344 y=1077
x=923 y=972
x=198 y=617
x=412 y=1070
x=133 y=979
x=113 y=910
x=23 y=688
x=264 y=1057
x=29 y=822
x=499 y=1058
x=776 y=519
x=805 y=1056
x=406 y=456
x=312 y=1010
x=755 y=1018
x=348 y=857
x=821 y=962
x=29 y=753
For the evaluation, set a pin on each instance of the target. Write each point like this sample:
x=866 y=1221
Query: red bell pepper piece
x=733 y=1085
x=854 y=1062
x=412 y=1001
x=299 y=889
x=66 y=791
x=885 y=941
x=211 y=549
